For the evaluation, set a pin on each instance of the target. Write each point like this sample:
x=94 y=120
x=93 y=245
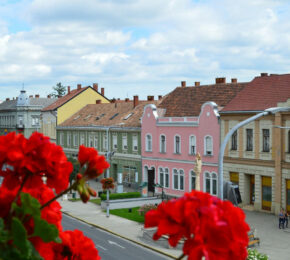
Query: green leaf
x=30 y=205
x=19 y=236
x=4 y=234
x=48 y=232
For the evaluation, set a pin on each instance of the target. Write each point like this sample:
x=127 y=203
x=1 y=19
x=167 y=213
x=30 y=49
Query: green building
x=114 y=130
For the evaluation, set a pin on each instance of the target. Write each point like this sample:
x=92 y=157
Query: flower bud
x=92 y=191
x=79 y=176
x=85 y=196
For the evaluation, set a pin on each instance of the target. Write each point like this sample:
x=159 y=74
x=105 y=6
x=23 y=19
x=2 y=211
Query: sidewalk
x=130 y=230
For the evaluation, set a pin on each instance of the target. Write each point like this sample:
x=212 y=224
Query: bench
x=252 y=239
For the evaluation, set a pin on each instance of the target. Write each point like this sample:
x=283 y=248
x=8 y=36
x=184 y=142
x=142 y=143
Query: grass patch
x=124 y=213
x=96 y=201
x=74 y=200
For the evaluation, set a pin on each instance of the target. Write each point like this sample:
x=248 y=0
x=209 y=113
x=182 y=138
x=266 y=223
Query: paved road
x=111 y=247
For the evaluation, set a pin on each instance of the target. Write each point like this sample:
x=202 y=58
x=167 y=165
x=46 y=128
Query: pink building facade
x=170 y=145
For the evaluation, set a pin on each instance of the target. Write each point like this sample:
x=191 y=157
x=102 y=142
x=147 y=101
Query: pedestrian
x=286 y=219
x=281 y=219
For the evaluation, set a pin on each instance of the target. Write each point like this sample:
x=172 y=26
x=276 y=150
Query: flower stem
x=59 y=195
x=179 y=258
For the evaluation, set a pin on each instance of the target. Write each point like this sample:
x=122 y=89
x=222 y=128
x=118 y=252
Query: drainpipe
x=268 y=111
x=108 y=156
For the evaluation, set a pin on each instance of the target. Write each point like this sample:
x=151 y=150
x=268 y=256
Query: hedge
x=117 y=196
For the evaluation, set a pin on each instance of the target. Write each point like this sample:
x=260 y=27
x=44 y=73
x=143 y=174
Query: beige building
x=257 y=158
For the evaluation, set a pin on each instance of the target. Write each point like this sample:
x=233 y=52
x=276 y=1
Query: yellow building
x=68 y=105
x=258 y=156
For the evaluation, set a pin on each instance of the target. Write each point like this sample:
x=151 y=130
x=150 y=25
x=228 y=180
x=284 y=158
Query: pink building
x=184 y=124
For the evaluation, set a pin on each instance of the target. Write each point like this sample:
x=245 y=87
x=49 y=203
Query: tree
x=59 y=90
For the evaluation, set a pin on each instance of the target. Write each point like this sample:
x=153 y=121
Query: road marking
x=114 y=243
x=98 y=246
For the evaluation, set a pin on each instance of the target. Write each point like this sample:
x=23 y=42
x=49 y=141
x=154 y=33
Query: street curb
x=118 y=235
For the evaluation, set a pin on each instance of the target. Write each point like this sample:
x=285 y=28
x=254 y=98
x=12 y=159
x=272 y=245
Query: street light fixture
x=267 y=111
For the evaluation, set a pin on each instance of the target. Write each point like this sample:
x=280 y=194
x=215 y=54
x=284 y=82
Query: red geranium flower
x=108 y=183
x=210 y=227
x=32 y=159
x=95 y=164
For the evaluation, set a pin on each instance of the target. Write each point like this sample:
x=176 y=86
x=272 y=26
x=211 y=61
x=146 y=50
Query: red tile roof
x=261 y=93
x=187 y=101
x=61 y=101
x=112 y=114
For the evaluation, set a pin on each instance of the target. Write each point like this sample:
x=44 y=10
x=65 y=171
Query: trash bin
x=144 y=189
x=74 y=195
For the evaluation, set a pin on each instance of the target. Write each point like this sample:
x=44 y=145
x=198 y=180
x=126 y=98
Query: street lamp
x=267 y=111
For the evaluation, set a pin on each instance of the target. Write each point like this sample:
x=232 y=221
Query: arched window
x=148 y=142
x=178 y=179
x=177 y=144
x=208 y=145
x=145 y=174
x=162 y=144
x=192 y=180
x=210 y=182
x=164 y=177
x=192 y=145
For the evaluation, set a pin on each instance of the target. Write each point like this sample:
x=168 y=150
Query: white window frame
x=124 y=142
x=61 y=138
x=192 y=175
x=148 y=143
x=115 y=142
x=91 y=140
x=192 y=143
x=180 y=179
x=212 y=180
x=208 y=152
x=177 y=150
x=68 y=139
x=161 y=178
x=75 y=139
x=166 y=176
x=162 y=148
x=135 y=142
x=82 y=139
x=96 y=143
x=105 y=140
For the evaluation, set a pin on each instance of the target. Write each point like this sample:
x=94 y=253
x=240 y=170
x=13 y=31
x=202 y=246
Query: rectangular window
x=181 y=180
x=20 y=120
x=96 y=141
x=135 y=143
x=115 y=142
x=161 y=177
x=61 y=138
x=208 y=146
x=175 y=179
x=82 y=141
x=91 y=141
x=177 y=144
x=193 y=180
x=162 y=144
x=75 y=139
x=266 y=140
x=192 y=145
x=249 y=133
x=68 y=139
x=234 y=141
x=105 y=142
x=124 y=142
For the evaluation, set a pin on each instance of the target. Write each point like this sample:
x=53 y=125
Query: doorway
x=151 y=180
x=252 y=189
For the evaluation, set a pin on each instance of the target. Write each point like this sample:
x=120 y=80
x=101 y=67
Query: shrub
x=146 y=207
x=253 y=254
x=117 y=196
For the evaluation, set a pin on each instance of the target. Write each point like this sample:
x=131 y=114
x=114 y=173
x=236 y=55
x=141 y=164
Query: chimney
x=159 y=97
x=31 y=96
x=183 y=84
x=127 y=99
x=37 y=96
x=264 y=74
x=7 y=99
x=95 y=86
x=48 y=96
x=113 y=100
x=79 y=86
x=103 y=91
x=98 y=101
x=135 y=101
x=68 y=89
x=220 y=80
x=150 y=98
x=234 y=80
x=196 y=83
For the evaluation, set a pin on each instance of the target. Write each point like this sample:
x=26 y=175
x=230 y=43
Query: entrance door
x=151 y=178
x=288 y=196
x=252 y=189
x=266 y=192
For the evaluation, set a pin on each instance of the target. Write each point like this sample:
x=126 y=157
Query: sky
x=139 y=47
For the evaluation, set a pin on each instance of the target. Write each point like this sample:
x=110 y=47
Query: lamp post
x=267 y=111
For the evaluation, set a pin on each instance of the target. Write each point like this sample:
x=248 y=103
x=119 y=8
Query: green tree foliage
x=58 y=90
